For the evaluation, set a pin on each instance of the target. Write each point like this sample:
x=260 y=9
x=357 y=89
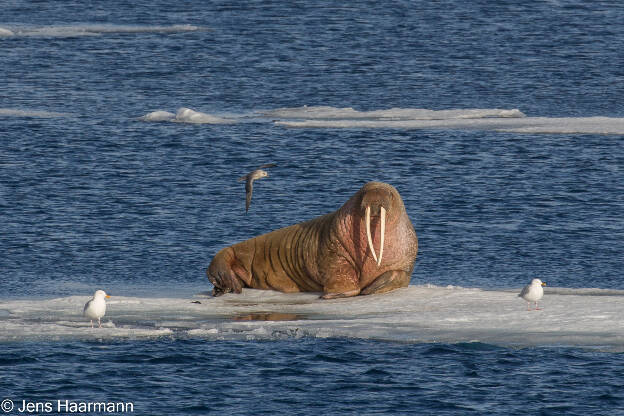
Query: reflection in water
x=269 y=316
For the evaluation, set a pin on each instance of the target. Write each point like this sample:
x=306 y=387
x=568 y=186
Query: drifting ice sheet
x=9 y=112
x=79 y=30
x=492 y=119
x=185 y=115
x=571 y=317
x=512 y=120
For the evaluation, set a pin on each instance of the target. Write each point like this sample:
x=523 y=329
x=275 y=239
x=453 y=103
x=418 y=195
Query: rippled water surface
x=311 y=376
x=123 y=129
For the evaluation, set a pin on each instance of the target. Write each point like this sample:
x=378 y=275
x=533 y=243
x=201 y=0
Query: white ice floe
x=158 y=116
x=504 y=120
x=570 y=317
x=6 y=32
x=79 y=30
x=10 y=112
x=532 y=125
x=492 y=119
x=185 y=115
x=393 y=114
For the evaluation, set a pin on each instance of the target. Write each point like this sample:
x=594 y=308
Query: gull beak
x=383 y=234
x=543 y=283
x=107 y=296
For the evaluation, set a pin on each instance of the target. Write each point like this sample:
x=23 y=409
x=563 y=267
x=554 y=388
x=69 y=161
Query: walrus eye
x=382 y=215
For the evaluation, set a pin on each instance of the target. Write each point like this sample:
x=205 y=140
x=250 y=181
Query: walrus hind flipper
x=386 y=282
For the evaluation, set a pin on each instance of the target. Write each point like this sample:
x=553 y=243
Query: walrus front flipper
x=338 y=295
x=386 y=282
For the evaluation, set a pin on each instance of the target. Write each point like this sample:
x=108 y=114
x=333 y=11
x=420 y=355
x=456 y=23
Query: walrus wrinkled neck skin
x=367 y=246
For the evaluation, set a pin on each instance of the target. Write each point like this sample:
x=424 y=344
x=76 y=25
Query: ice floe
x=185 y=115
x=86 y=29
x=570 y=317
x=10 y=112
x=326 y=117
x=510 y=120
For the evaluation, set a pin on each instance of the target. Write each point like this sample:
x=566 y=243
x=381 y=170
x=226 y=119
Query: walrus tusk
x=383 y=234
x=368 y=233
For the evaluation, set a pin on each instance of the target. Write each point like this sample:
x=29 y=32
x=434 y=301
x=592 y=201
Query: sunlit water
x=123 y=129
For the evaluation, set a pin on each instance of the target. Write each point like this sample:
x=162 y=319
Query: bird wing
x=248 y=193
x=525 y=290
x=87 y=306
x=268 y=165
x=242 y=178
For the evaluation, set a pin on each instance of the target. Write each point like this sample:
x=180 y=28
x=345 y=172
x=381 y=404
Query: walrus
x=334 y=254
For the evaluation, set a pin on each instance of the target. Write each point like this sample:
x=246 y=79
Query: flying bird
x=533 y=292
x=252 y=176
x=96 y=307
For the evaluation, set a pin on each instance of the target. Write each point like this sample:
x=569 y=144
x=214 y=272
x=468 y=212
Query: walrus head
x=378 y=200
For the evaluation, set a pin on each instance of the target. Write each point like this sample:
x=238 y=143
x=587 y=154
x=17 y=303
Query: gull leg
x=99 y=323
x=91 y=323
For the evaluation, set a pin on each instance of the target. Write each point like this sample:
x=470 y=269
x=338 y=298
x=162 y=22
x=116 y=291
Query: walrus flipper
x=386 y=282
x=338 y=295
x=341 y=280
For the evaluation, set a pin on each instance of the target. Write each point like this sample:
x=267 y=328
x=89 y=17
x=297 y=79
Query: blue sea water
x=91 y=196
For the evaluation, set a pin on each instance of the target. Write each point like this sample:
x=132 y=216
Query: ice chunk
x=186 y=115
x=158 y=116
x=570 y=317
x=79 y=30
x=6 y=32
x=9 y=112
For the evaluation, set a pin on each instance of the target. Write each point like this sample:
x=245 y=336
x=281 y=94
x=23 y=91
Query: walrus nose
x=382 y=216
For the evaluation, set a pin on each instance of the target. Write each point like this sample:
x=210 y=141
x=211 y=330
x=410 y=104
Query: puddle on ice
x=570 y=317
x=270 y=316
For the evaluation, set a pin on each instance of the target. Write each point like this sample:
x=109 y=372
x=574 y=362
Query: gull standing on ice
x=252 y=176
x=96 y=307
x=533 y=292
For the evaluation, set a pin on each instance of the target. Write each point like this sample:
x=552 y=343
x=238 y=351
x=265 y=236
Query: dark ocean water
x=310 y=377
x=92 y=197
